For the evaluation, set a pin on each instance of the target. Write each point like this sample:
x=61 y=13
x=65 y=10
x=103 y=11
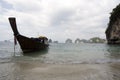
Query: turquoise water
x=61 y=53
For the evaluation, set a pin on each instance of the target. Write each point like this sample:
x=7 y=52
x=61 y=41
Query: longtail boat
x=28 y=44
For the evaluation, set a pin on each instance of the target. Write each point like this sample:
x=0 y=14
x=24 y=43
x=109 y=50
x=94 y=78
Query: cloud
x=57 y=19
x=61 y=17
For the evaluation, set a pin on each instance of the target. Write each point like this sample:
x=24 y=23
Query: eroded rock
x=113 y=30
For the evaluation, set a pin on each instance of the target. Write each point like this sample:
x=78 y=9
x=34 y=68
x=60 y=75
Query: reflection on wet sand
x=38 y=71
x=115 y=71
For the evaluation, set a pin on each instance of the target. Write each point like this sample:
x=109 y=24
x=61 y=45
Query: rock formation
x=68 y=41
x=50 y=40
x=77 y=40
x=113 y=30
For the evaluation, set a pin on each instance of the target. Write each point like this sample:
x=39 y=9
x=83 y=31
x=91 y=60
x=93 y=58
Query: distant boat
x=28 y=44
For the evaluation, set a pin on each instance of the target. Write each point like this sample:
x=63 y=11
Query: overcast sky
x=56 y=19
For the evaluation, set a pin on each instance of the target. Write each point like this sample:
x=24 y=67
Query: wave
x=18 y=59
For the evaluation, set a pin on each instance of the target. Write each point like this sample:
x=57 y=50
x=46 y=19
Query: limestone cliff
x=113 y=30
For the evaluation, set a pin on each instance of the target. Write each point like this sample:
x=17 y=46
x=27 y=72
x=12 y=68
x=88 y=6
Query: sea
x=63 y=53
x=61 y=61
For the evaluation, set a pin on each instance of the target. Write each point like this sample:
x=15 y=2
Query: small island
x=91 y=40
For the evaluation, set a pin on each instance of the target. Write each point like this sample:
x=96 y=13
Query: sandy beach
x=40 y=71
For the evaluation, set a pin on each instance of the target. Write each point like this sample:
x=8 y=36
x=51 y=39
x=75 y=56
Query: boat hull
x=28 y=44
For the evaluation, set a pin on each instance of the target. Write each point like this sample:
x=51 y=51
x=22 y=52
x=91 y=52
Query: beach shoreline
x=43 y=71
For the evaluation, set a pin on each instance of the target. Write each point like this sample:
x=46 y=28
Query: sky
x=56 y=19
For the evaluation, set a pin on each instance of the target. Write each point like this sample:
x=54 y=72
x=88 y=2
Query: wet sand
x=40 y=71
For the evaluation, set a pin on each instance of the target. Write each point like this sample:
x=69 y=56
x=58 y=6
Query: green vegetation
x=115 y=14
x=97 y=40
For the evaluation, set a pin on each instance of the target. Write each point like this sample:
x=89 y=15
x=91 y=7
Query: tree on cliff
x=115 y=14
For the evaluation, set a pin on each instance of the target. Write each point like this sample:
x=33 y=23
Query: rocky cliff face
x=113 y=30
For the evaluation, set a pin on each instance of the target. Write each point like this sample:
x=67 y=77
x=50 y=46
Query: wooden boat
x=28 y=44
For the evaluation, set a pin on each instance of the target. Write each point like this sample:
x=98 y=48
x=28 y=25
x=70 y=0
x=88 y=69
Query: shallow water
x=64 y=53
x=61 y=62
